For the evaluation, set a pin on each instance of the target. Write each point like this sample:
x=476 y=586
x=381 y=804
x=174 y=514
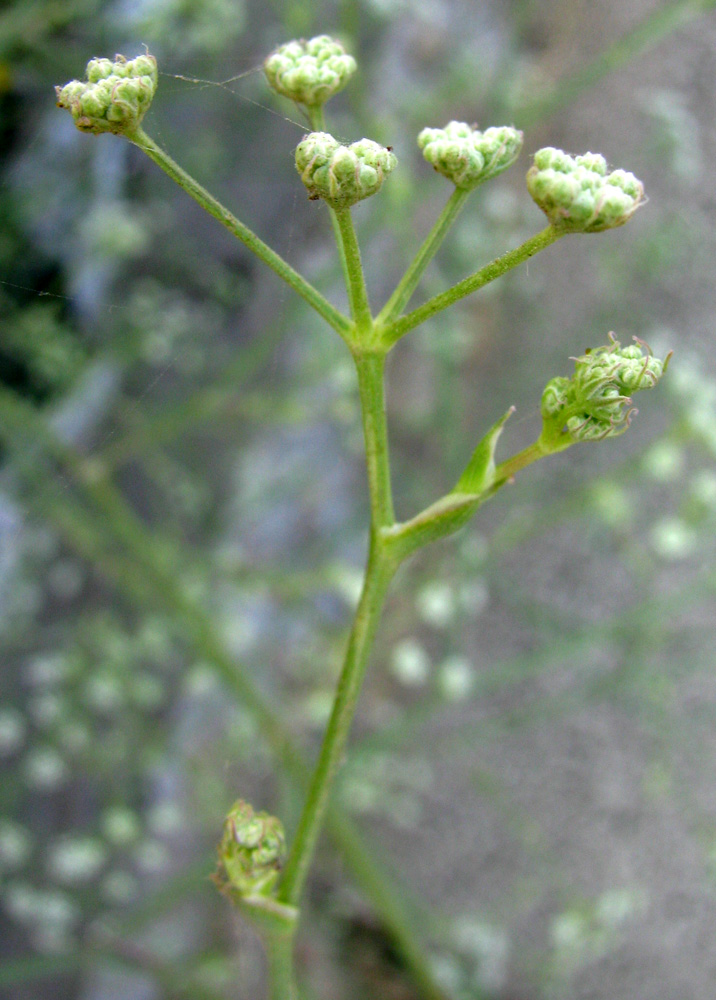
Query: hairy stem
x=371 y=369
x=495 y=269
x=209 y=203
x=532 y=453
x=357 y=292
x=381 y=566
x=379 y=572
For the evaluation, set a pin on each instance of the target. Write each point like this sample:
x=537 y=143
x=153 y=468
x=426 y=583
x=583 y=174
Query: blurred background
x=183 y=518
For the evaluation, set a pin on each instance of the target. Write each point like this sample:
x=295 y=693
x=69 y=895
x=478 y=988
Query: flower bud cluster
x=579 y=195
x=466 y=156
x=342 y=175
x=115 y=97
x=309 y=72
x=596 y=403
x=251 y=852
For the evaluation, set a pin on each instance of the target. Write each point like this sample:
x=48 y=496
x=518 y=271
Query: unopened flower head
x=115 y=97
x=342 y=175
x=466 y=156
x=579 y=194
x=596 y=402
x=251 y=852
x=309 y=72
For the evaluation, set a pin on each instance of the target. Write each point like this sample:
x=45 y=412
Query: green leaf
x=479 y=474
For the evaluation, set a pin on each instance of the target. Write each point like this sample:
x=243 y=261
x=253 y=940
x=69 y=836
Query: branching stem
x=495 y=269
x=242 y=232
x=409 y=282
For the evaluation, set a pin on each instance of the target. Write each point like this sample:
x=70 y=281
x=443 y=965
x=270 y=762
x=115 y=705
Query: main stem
x=370 y=367
x=279 y=954
x=379 y=572
x=380 y=568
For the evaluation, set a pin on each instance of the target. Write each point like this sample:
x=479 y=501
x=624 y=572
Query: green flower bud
x=466 y=156
x=556 y=396
x=309 y=72
x=99 y=69
x=115 y=97
x=251 y=852
x=342 y=175
x=551 y=158
x=593 y=162
x=579 y=195
x=596 y=402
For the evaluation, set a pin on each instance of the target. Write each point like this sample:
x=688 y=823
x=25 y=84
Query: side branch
x=409 y=282
x=350 y=256
x=495 y=269
x=209 y=203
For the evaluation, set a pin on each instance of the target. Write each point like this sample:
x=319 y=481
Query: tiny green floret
x=251 y=852
x=596 y=402
x=115 y=96
x=579 y=195
x=468 y=157
x=309 y=72
x=342 y=175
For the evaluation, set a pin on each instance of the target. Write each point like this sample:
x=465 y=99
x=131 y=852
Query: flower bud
x=309 y=72
x=556 y=396
x=466 y=156
x=115 y=97
x=342 y=175
x=596 y=402
x=251 y=852
x=579 y=195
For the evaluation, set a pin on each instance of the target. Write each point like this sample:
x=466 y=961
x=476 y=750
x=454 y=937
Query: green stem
x=394 y=331
x=282 y=268
x=408 y=283
x=381 y=565
x=317 y=118
x=279 y=953
x=370 y=368
x=379 y=572
x=380 y=568
x=532 y=453
x=357 y=292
